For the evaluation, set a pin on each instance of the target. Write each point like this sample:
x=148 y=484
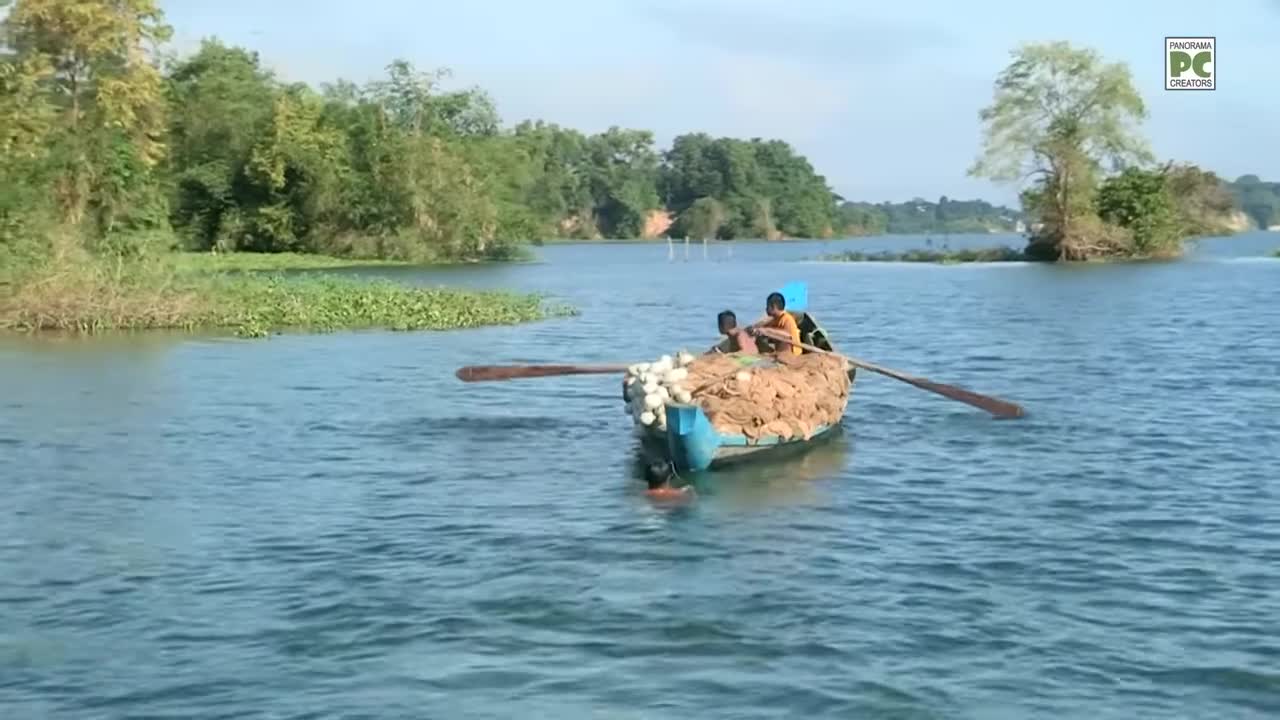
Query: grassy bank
x=203 y=262
x=91 y=296
x=945 y=257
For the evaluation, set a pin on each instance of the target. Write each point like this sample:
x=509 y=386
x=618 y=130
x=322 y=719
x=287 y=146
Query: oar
x=995 y=406
x=486 y=373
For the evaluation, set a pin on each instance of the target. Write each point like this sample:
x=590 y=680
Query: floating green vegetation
x=259 y=305
x=195 y=262
x=944 y=257
x=96 y=297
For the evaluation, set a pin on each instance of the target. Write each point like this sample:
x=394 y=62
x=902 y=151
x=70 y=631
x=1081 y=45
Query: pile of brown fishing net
x=790 y=396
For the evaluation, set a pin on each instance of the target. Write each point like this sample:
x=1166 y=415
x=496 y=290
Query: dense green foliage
x=104 y=154
x=1160 y=208
x=1063 y=117
x=216 y=151
x=1066 y=119
x=919 y=217
x=1140 y=201
x=762 y=189
x=1259 y=200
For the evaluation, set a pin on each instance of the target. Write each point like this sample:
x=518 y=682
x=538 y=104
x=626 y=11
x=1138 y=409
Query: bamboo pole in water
x=704 y=247
x=686 y=248
x=671 y=249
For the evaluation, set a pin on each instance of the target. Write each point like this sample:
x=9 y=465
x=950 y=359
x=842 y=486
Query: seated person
x=775 y=306
x=736 y=339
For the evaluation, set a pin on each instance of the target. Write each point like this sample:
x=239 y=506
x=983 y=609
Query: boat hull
x=692 y=444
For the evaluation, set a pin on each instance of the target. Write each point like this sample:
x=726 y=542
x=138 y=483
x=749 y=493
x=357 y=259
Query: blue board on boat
x=797 y=296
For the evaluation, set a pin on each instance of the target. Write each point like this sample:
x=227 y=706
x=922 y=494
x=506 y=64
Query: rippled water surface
x=334 y=526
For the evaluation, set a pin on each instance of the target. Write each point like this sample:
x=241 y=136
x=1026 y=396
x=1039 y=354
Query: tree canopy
x=1067 y=121
x=761 y=189
x=1061 y=116
x=217 y=149
x=1259 y=200
x=920 y=216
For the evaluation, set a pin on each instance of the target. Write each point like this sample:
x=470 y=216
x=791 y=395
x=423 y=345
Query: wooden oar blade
x=497 y=373
x=999 y=408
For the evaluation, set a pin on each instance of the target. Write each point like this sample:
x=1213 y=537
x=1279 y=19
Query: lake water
x=334 y=526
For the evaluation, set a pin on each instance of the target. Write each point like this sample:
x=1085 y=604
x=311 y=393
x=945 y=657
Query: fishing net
x=790 y=396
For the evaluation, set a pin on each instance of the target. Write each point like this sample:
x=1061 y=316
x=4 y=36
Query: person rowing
x=736 y=339
x=775 y=307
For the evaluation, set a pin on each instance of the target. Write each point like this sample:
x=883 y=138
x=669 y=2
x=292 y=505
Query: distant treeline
x=920 y=216
x=109 y=146
x=401 y=168
x=1258 y=199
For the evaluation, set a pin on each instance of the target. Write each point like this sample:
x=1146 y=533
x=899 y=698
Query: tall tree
x=112 y=124
x=1061 y=115
x=624 y=175
x=221 y=102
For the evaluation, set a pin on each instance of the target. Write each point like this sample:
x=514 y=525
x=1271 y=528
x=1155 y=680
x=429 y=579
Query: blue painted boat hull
x=692 y=444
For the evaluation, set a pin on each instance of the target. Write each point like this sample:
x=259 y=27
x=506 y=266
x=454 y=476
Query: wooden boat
x=691 y=443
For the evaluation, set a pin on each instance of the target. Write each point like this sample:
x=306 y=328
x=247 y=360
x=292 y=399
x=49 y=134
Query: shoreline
x=247 y=296
x=763 y=241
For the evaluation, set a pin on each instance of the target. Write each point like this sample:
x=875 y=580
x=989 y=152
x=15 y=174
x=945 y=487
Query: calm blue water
x=334 y=526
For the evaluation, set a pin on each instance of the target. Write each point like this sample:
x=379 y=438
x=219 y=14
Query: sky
x=883 y=98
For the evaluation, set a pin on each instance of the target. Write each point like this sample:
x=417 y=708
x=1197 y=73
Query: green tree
x=1140 y=201
x=295 y=173
x=414 y=182
x=765 y=187
x=1259 y=200
x=623 y=180
x=110 y=133
x=857 y=218
x=221 y=103
x=704 y=218
x=1205 y=204
x=27 y=119
x=1062 y=116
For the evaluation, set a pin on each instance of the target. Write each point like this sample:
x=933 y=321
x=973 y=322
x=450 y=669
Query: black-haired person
x=658 y=477
x=775 y=306
x=736 y=339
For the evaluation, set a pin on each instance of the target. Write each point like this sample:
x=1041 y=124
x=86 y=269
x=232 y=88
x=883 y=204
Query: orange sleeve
x=788 y=323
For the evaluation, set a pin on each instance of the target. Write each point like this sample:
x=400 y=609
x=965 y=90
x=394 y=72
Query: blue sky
x=882 y=97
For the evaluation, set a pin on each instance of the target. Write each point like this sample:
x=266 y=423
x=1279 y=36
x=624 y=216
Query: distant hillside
x=1258 y=199
x=919 y=216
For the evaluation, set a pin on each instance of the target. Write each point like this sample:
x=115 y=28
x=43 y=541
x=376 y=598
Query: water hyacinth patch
x=997 y=254
x=97 y=297
x=258 y=305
